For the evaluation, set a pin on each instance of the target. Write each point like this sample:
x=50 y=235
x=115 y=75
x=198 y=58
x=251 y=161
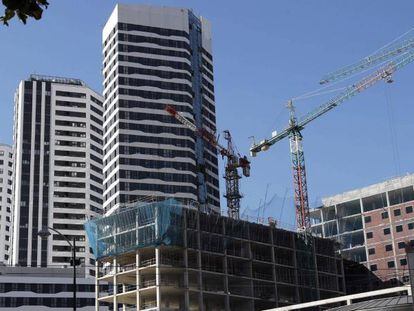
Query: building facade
x=6 y=188
x=372 y=224
x=154 y=57
x=58 y=168
x=42 y=289
x=166 y=256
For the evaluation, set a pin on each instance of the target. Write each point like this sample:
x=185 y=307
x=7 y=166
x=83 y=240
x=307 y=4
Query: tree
x=23 y=9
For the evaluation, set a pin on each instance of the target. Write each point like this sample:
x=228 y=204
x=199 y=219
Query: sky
x=265 y=52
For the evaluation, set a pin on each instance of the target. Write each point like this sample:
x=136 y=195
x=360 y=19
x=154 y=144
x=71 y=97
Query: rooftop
x=388 y=185
x=53 y=79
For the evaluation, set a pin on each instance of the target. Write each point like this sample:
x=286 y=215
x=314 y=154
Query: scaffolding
x=164 y=254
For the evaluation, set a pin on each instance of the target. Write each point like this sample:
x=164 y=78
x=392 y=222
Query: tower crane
x=233 y=163
x=295 y=126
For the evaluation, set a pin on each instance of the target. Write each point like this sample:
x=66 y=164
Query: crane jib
x=293 y=130
x=369 y=61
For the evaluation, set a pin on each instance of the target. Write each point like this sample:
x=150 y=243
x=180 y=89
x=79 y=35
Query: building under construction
x=167 y=256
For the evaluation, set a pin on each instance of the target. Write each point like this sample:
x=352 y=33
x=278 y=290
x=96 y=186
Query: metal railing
x=149 y=305
x=128 y=288
x=127 y=267
x=148 y=283
x=172 y=261
x=147 y=262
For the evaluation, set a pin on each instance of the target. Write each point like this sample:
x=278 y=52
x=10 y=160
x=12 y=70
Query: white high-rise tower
x=154 y=56
x=58 y=168
x=6 y=187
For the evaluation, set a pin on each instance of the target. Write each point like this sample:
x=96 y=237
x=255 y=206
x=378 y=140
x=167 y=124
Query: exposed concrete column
x=295 y=264
x=315 y=260
x=115 y=300
x=96 y=286
x=186 y=282
x=138 y=281
x=158 y=276
x=272 y=228
x=200 y=275
x=226 y=277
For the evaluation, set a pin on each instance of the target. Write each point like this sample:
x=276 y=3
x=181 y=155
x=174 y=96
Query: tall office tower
x=154 y=57
x=6 y=185
x=58 y=168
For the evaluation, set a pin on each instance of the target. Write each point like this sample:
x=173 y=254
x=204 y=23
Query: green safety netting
x=138 y=226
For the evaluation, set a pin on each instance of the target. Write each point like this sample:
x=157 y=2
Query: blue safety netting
x=138 y=226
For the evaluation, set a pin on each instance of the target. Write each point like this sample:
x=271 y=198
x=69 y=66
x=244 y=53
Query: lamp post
x=44 y=234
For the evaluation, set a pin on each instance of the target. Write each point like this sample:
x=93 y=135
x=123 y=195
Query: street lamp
x=44 y=234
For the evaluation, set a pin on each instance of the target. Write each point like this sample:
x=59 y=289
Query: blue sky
x=265 y=52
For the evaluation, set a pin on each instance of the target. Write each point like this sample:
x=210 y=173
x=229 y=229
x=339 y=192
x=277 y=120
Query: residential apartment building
x=6 y=188
x=42 y=289
x=372 y=224
x=154 y=56
x=167 y=256
x=58 y=169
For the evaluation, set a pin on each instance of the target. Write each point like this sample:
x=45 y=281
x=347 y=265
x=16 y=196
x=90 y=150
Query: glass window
x=411 y=226
x=350 y=224
x=328 y=213
x=408 y=209
x=397 y=212
x=367 y=219
x=388 y=247
x=403 y=262
x=387 y=231
x=384 y=215
x=399 y=228
x=371 y=251
x=401 y=195
x=370 y=235
x=401 y=245
x=330 y=228
x=373 y=267
x=349 y=208
x=374 y=202
x=391 y=264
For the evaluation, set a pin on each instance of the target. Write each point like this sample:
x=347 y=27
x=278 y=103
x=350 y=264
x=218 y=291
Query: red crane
x=233 y=163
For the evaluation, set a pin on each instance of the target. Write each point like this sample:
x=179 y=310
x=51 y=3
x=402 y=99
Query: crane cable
x=317 y=91
x=393 y=133
x=391 y=42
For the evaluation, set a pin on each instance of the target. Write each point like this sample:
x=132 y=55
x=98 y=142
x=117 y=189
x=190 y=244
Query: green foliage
x=23 y=9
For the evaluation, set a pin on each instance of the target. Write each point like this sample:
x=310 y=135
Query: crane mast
x=233 y=162
x=232 y=177
x=301 y=199
x=293 y=130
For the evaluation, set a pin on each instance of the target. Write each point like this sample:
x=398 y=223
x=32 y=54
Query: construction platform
x=167 y=256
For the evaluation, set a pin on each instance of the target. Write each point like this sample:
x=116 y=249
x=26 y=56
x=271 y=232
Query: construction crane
x=233 y=163
x=293 y=130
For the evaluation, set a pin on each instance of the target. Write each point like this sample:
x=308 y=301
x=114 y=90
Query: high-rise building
x=6 y=187
x=156 y=56
x=58 y=168
x=372 y=225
